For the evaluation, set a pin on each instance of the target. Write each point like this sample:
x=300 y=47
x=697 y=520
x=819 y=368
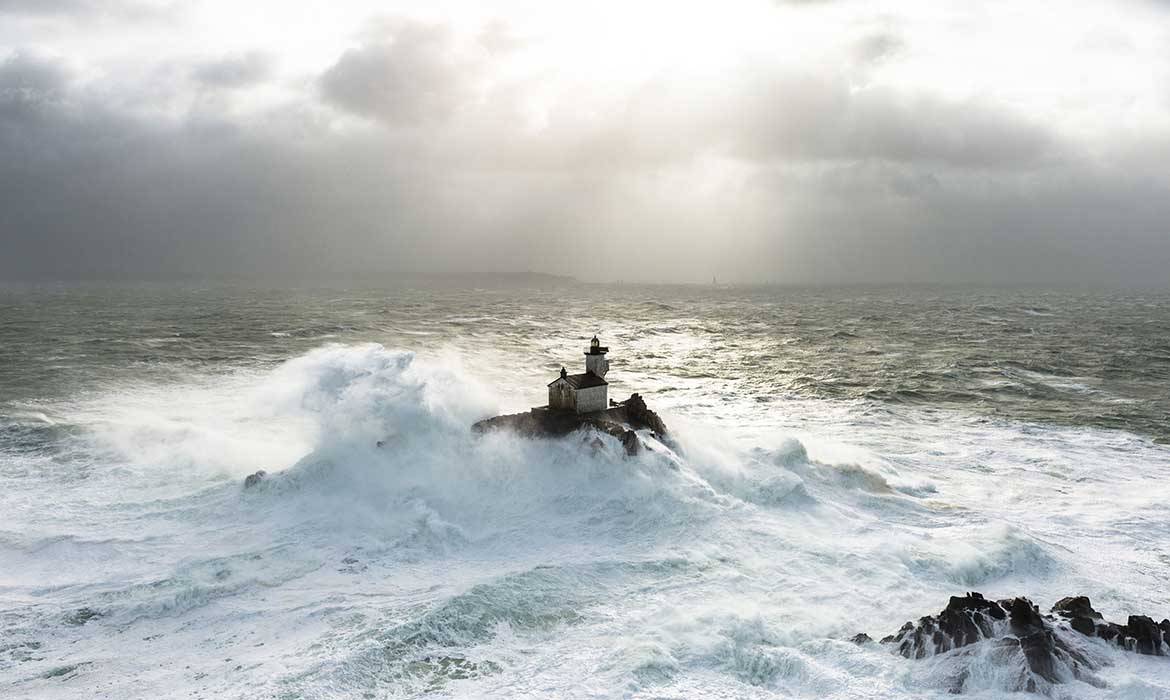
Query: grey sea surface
x=1091 y=358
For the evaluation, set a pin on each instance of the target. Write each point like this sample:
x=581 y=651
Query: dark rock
x=1080 y=614
x=1041 y=652
x=1110 y=632
x=621 y=421
x=1075 y=606
x=1025 y=617
x=1083 y=625
x=965 y=620
x=1140 y=633
x=1021 y=637
x=639 y=416
x=631 y=442
x=861 y=638
x=254 y=479
x=1146 y=635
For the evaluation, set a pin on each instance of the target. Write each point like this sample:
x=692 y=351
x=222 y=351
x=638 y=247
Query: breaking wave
x=389 y=547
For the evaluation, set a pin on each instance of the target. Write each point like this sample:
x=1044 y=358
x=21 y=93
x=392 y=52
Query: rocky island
x=622 y=420
x=1038 y=651
x=577 y=401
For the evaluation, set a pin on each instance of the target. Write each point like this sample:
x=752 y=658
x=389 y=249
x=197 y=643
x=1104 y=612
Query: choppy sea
x=847 y=459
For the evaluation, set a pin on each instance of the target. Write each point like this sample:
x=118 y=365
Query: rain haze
x=820 y=142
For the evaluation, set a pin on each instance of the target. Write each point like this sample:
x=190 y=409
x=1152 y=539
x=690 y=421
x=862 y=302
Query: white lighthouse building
x=586 y=392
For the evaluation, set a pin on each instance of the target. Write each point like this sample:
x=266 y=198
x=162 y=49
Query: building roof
x=597 y=350
x=581 y=381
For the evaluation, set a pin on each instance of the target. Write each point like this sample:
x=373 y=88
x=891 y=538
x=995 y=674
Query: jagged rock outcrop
x=1139 y=634
x=254 y=479
x=631 y=443
x=640 y=416
x=621 y=420
x=1079 y=612
x=1043 y=648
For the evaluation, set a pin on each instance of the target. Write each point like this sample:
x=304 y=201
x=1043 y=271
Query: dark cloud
x=27 y=76
x=894 y=222
x=91 y=190
x=104 y=194
x=760 y=177
x=405 y=73
x=824 y=117
x=121 y=9
x=235 y=71
x=46 y=7
x=878 y=47
x=29 y=84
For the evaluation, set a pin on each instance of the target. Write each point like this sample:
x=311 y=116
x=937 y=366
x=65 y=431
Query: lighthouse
x=595 y=361
x=586 y=392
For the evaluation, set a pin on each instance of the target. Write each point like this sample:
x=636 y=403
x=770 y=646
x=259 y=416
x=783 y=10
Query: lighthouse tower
x=595 y=361
x=586 y=392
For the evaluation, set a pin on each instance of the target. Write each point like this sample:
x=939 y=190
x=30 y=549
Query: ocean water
x=847 y=459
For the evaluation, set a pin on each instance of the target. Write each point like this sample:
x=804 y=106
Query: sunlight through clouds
x=945 y=137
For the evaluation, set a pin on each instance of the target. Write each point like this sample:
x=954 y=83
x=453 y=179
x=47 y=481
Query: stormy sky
x=799 y=141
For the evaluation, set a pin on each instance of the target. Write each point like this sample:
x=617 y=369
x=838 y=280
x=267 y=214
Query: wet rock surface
x=1043 y=650
x=640 y=416
x=621 y=420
